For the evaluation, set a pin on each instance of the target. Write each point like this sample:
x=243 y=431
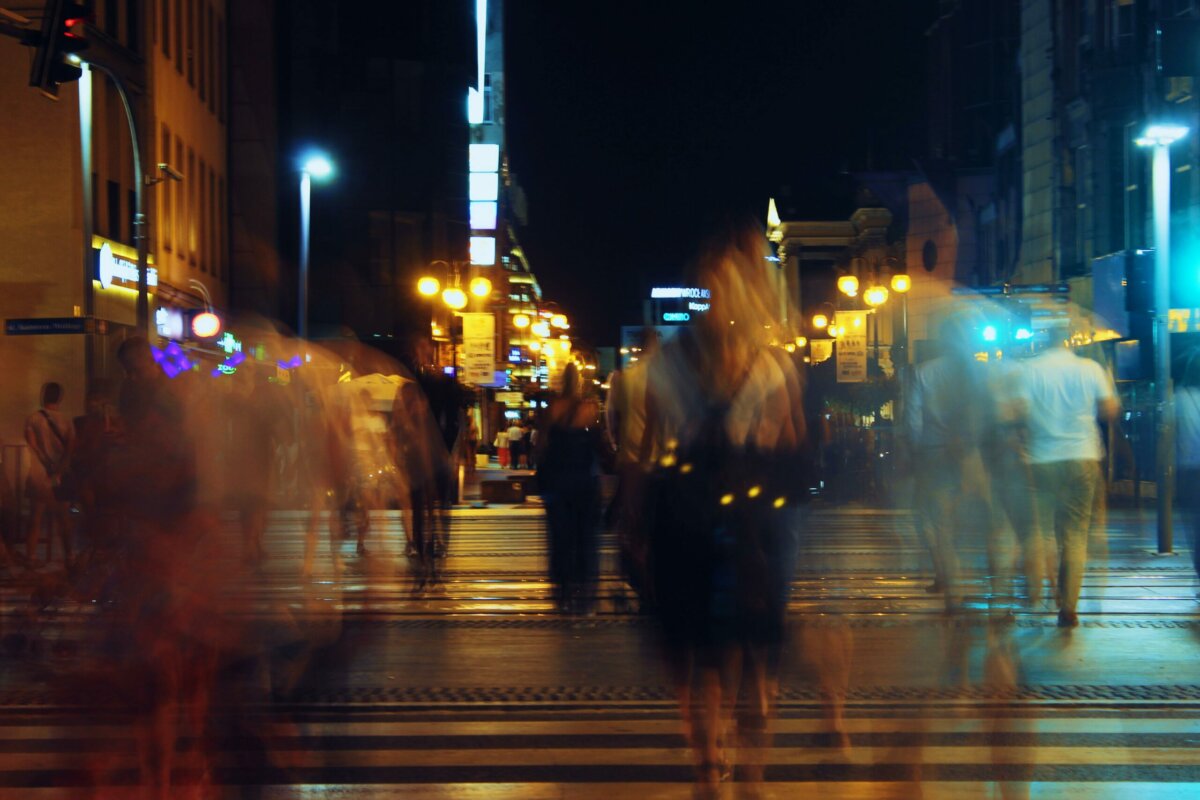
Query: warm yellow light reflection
x=726 y=499
x=559 y=321
x=540 y=328
x=428 y=286
x=455 y=298
x=535 y=346
x=521 y=321
x=901 y=283
x=848 y=285
x=820 y=321
x=791 y=348
x=801 y=341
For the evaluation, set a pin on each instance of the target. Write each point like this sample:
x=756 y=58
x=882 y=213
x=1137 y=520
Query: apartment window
x=201 y=51
x=166 y=27
x=178 y=39
x=164 y=192
x=213 y=252
x=180 y=189
x=113 y=227
x=111 y=18
x=222 y=226
x=202 y=221
x=191 y=201
x=133 y=39
x=191 y=42
x=212 y=58
x=219 y=87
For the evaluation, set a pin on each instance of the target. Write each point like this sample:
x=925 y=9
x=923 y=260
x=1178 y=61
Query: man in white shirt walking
x=1064 y=394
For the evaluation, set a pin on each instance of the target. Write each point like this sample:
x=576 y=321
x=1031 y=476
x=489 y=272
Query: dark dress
x=722 y=542
x=568 y=482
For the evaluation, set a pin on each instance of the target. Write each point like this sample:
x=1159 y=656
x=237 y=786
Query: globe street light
x=428 y=286
x=316 y=166
x=481 y=287
x=901 y=283
x=1161 y=137
x=848 y=285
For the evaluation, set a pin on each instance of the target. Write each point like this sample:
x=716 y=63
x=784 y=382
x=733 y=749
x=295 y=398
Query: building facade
x=157 y=69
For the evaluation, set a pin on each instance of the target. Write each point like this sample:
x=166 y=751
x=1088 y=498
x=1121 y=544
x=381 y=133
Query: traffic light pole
x=1165 y=449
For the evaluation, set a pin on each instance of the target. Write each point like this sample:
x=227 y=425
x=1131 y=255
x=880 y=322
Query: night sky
x=630 y=123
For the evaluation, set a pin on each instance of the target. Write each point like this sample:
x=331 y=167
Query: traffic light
x=64 y=31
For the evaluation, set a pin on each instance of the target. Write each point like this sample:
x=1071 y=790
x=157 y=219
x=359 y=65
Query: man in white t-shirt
x=1063 y=395
x=1187 y=441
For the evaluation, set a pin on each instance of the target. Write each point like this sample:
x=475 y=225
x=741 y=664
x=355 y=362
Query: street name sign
x=42 y=326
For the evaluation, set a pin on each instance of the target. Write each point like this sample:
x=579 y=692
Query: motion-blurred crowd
x=715 y=440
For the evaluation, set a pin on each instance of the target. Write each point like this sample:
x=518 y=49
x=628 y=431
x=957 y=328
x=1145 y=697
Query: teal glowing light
x=1023 y=334
x=989 y=333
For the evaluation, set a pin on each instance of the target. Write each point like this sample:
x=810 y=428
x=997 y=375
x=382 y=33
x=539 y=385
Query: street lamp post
x=1161 y=137
x=319 y=167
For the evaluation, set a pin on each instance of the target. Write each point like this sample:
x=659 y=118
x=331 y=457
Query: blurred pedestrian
x=1187 y=435
x=946 y=416
x=501 y=446
x=719 y=412
x=516 y=437
x=49 y=435
x=94 y=435
x=1064 y=394
x=568 y=480
x=470 y=445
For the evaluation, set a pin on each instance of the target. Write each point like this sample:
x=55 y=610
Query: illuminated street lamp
x=428 y=286
x=820 y=321
x=1160 y=137
x=541 y=328
x=316 y=166
x=559 y=321
x=454 y=298
x=875 y=296
x=481 y=287
x=848 y=285
x=521 y=321
x=901 y=283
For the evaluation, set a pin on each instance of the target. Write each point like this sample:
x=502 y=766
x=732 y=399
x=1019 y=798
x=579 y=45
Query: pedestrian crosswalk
x=620 y=752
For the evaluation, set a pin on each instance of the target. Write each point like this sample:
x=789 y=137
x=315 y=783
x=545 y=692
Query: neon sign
x=171 y=359
x=679 y=293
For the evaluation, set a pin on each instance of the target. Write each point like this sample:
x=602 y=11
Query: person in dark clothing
x=568 y=478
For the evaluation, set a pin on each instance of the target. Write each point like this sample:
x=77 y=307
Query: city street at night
x=547 y=400
x=481 y=690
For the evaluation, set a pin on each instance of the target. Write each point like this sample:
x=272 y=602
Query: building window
x=192 y=179
x=191 y=42
x=219 y=86
x=201 y=51
x=179 y=41
x=133 y=40
x=212 y=59
x=180 y=189
x=166 y=28
x=164 y=193
x=113 y=227
x=214 y=254
x=202 y=222
x=222 y=227
x=112 y=20
x=488 y=105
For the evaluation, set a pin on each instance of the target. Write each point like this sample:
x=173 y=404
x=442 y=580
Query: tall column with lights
x=319 y=167
x=1160 y=138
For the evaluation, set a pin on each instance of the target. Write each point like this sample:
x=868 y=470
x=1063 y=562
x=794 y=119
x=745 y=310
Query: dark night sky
x=631 y=122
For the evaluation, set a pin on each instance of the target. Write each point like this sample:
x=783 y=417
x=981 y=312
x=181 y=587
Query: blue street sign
x=36 y=326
